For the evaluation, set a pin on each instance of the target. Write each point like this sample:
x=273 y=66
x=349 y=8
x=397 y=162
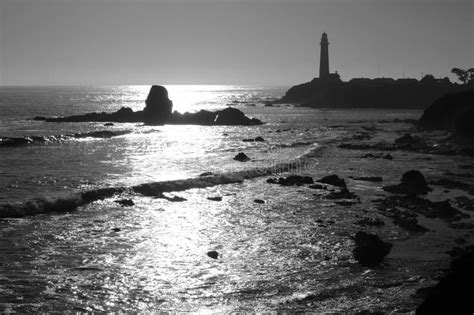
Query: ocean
x=273 y=256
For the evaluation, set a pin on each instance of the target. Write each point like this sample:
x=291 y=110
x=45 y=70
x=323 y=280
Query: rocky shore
x=158 y=111
x=373 y=217
x=370 y=93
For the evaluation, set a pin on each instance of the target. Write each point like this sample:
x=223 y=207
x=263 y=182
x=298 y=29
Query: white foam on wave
x=72 y=201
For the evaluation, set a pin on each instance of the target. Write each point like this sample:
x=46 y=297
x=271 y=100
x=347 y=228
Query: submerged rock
x=412 y=182
x=259 y=201
x=409 y=223
x=257 y=139
x=317 y=186
x=342 y=194
x=125 y=202
x=172 y=199
x=374 y=179
x=370 y=222
x=369 y=249
x=291 y=180
x=454 y=184
x=407 y=139
x=404 y=209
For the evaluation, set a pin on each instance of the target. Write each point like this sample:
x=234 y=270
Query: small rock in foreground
x=213 y=254
x=369 y=249
x=241 y=157
x=333 y=180
x=125 y=202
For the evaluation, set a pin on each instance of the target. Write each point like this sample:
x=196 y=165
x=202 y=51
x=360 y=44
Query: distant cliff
x=371 y=93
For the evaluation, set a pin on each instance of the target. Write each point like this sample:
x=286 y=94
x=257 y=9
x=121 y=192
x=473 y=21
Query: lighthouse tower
x=324 y=61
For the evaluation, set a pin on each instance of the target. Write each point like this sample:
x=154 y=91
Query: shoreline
x=318 y=219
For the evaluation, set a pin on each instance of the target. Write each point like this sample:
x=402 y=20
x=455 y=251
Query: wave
x=72 y=201
x=21 y=141
x=295 y=144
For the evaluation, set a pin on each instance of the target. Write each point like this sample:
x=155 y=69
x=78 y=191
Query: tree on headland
x=465 y=76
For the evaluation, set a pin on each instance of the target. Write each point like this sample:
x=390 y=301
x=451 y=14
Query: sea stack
x=158 y=107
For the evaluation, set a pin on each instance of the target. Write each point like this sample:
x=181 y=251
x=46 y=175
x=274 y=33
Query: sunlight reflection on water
x=152 y=256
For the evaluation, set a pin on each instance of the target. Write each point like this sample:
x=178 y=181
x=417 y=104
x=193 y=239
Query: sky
x=258 y=42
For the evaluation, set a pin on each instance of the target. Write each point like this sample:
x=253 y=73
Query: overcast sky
x=62 y=42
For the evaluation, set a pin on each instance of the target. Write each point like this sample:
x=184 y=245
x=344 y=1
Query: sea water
x=152 y=256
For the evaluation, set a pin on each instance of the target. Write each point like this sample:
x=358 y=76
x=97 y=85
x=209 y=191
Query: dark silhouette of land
x=329 y=91
x=158 y=111
x=452 y=112
x=332 y=92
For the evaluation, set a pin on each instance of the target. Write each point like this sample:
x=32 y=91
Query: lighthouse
x=324 y=59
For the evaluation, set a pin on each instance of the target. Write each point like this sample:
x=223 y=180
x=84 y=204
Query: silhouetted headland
x=329 y=91
x=158 y=111
x=452 y=112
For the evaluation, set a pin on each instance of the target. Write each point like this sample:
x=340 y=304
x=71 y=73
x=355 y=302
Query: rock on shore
x=453 y=294
x=369 y=249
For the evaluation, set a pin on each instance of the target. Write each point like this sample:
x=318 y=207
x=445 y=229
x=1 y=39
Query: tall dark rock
x=158 y=107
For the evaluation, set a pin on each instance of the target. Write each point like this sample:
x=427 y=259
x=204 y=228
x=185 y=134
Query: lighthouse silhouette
x=324 y=59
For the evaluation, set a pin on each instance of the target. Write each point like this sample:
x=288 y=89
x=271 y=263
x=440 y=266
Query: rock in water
x=213 y=254
x=158 y=107
x=413 y=182
x=291 y=180
x=241 y=157
x=333 y=180
x=125 y=202
x=407 y=139
x=369 y=249
x=232 y=116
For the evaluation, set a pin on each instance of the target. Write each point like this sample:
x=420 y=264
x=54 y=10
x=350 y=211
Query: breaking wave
x=71 y=202
x=20 y=141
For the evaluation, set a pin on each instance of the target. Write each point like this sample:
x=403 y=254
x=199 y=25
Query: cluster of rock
x=158 y=111
x=369 y=250
x=21 y=141
x=406 y=204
